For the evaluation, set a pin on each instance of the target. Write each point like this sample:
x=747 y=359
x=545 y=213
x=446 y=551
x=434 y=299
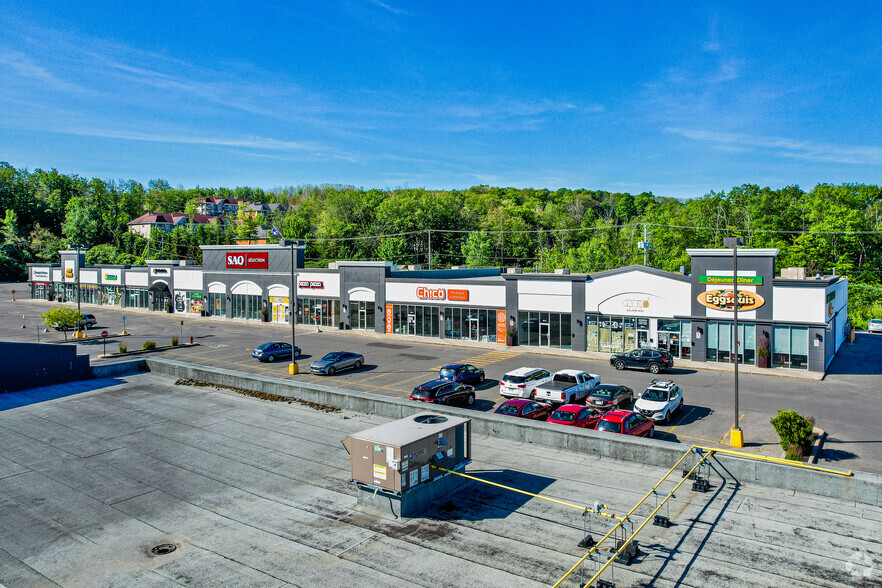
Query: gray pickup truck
x=567 y=387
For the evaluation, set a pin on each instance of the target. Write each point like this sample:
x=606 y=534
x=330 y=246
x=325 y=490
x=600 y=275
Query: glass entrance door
x=362 y=316
x=411 y=324
x=642 y=339
x=544 y=332
x=474 y=329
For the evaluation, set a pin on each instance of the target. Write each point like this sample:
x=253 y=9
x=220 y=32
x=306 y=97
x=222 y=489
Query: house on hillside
x=216 y=206
x=167 y=221
x=259 y=209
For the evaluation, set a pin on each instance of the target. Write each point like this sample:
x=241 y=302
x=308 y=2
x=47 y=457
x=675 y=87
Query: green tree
x=82 y=224
x=62 y=317
x=104 y=254
x=478 y=250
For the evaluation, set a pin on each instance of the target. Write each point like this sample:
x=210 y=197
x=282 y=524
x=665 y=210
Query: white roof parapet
x=727 y=252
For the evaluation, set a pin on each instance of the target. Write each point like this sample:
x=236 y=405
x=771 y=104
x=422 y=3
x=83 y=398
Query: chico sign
x=724 y=300
x=424 y=293
x=247 y=259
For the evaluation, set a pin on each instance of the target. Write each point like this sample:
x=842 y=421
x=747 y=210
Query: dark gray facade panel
x=577 y=321
x=763 y=266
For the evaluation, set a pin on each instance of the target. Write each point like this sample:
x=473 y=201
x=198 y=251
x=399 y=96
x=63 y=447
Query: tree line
x=828 y=228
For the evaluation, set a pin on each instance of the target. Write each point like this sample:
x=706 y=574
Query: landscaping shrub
x=793 y=429
x=794 y=453
x=148 y=345
x=123 y=347
x=175 y=341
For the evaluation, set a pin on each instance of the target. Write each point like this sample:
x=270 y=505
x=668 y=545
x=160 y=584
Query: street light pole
x=293 y=369
x=736 y=439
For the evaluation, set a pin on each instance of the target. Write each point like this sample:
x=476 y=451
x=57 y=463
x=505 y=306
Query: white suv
x=659 y=401
x=522 y=382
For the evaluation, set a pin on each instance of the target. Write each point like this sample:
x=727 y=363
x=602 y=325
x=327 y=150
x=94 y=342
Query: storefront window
x=721 y=344
x=781 y=346
x=591 y=332
x=90 y=294
x=470 y=323
x=246 y=306
x=111 y=295
x=545 y=329
x=790 y=347
x=137 y=297
x=686 y=339
x=217 y=304
x=712 y=341
x=41 y=291
x=362 y=315
x=410 y=319
x=318 y=311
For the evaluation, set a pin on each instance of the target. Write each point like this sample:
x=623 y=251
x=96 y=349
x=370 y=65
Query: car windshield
x=509 y=409
x=603 y=392
x=609 y=426
x=564 y=415
x=265 y=346
x=448 y=372
x=332 y=356
x=513 y=379
x=655 y=395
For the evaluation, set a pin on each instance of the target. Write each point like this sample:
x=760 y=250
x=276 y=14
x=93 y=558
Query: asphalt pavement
x=845 y=403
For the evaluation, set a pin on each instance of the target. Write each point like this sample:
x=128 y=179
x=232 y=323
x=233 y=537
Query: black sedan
x=654 y=360
x=444 y=392
x=606 y=396
x=337 y=361
x=274 y=350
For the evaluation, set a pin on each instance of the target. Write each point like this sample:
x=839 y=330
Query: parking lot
x=844 y=404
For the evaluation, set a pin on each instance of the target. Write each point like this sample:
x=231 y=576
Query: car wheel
x=271 y=358
x=654 y=368
x=296 y=354
x=651 y=432
x=481 y=379
x=470 y=399
x=620 y=365
x=358 y=364
x=331 y=371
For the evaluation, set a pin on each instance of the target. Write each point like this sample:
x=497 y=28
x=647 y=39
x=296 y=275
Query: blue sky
x=674 y=98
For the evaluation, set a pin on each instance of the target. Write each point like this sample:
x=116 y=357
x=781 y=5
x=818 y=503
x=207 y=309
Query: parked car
x=567 y=387
x=525 y=409
x=654 y=360
x=575 y=415
x=337 y=361
x=275 y=350
x=607 y=396
x=874 y=326
x=659 y=401
x=522 y=382
x=444 y=392
x=461 y=372
x=626 y=422
x=87 y=322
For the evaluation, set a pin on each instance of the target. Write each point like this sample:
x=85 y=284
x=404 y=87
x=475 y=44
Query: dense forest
x=829 y=228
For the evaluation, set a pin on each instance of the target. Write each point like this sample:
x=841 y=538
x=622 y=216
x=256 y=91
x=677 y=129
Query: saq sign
x=247 y=260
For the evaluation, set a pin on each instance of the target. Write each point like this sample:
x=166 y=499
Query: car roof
x=572 y=407
x=617 y=416
x=661 y=385
x=434 y=384
x=453 y=366
x=522 y=371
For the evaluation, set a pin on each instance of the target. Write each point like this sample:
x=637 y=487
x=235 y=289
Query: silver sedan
x=337 y=361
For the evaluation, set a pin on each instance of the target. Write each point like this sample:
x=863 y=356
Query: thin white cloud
x=785 y=147
x=389 y=8
x=25 y=67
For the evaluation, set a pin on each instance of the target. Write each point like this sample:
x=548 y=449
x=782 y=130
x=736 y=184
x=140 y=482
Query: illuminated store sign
x=311 y=284
x=725 y=300
x=247 y=259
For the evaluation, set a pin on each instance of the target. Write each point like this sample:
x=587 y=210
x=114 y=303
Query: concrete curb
x=818 y=445
x=862 y=487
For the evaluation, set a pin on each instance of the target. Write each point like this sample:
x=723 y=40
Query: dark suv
x=444 y=392
x=654 y=360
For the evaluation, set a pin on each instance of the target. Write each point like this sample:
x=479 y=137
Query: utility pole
x=644 y=244
x=430 y=248
x=293 y=368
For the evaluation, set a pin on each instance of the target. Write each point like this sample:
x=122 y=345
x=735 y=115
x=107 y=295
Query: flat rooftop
x=257 y=493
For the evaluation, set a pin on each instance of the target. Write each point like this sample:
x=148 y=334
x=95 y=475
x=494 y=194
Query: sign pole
x=736 y=438
x=293 y=368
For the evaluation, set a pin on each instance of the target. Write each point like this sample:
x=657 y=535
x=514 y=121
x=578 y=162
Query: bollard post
x=191 y=339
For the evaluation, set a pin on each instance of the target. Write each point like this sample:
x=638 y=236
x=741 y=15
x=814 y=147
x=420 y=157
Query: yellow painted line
x=484 y=359
x=729 y=432
x=682 y=418
x=381 y=375
x=684 y=436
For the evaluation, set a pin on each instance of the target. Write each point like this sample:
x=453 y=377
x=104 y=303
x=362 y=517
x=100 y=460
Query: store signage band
x=247 y=260
x=724 y=300
x=311 y=284
x=724 y=280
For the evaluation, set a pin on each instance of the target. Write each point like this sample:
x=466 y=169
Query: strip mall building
x=691 y=316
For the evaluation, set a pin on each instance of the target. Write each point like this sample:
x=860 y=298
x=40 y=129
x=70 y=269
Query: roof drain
x=163 y=549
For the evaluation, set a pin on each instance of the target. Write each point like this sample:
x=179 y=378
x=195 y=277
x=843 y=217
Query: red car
x=575 y=415
x=525 y=409
x=626 y=422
